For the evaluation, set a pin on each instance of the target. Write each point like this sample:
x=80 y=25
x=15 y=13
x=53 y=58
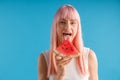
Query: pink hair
x=66 y=11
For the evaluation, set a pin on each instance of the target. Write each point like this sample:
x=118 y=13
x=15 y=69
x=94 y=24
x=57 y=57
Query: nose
x=68 y=26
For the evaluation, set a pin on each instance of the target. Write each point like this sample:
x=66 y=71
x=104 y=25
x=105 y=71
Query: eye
x=62 y=22
x=73 y=22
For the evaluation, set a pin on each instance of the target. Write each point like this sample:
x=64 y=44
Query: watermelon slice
x=67 y=49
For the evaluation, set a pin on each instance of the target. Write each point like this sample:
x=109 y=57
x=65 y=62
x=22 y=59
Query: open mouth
x=67 y=34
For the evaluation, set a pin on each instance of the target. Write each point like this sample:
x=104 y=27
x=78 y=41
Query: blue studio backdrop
x=25 y=32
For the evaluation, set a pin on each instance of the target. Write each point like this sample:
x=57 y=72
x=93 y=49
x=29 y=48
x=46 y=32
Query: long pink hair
x=66 y=11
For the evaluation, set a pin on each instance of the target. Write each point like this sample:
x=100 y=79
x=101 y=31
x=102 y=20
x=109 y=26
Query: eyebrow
x=70 y=20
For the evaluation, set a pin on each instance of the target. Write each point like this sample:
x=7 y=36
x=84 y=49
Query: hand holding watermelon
x=61 y=63
x=64 y=53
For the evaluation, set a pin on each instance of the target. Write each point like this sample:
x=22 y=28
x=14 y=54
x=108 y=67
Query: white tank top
x=71 y=71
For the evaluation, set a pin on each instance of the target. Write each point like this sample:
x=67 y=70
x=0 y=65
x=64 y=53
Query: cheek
x=75 y=30
x=59 y=31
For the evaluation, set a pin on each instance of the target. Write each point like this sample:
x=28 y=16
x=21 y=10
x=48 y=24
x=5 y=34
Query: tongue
x=66 y=37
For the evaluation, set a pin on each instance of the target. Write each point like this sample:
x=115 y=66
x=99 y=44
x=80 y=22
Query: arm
x=42 y=68
x=93 y=66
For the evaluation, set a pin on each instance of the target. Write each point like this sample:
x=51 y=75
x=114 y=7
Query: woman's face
x=66 y=29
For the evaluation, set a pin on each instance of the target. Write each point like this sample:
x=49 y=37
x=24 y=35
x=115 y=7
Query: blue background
x=25 y=32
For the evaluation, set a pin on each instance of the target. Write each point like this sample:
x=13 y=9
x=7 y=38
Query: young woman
x=66 y=25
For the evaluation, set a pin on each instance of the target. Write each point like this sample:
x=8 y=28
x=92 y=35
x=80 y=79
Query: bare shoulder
x=42 y=68
x=92 y=56
x=93 y=65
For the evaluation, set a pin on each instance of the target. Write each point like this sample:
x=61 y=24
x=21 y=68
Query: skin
x=92 y=65
x=70 y=26
x=42 y=70
x=66 y=26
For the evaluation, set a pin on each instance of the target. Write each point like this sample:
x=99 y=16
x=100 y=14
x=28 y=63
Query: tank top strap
x=46 y=55
x=86 y=53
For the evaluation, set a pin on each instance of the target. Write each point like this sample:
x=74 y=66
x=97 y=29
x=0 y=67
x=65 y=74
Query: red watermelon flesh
x=67 y=49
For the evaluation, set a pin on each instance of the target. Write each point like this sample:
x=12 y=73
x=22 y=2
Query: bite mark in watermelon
x=67 y=49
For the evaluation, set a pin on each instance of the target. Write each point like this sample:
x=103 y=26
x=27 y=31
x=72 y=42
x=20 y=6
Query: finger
x=62 y=65
x=58 y=57
x=60 y=60
x=64 y=61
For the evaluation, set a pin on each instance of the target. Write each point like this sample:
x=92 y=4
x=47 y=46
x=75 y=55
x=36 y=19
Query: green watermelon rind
x=63 y=55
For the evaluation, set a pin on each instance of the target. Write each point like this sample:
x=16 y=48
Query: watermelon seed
x=66 y=48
